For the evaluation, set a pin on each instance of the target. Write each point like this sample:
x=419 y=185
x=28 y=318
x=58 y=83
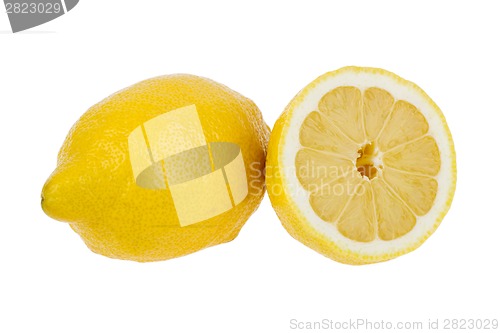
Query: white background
x=266 y=50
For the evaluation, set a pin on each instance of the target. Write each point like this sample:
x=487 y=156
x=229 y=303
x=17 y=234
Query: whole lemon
x=161 y=169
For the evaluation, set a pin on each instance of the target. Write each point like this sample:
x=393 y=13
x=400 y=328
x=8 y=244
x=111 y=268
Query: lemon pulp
x=368 y=163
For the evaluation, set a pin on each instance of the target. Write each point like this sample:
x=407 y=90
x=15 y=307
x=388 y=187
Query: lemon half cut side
x=361 y=166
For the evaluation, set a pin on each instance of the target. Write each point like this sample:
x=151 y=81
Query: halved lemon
x=361 y=166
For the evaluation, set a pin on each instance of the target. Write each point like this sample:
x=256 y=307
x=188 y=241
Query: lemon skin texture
x=93 y=186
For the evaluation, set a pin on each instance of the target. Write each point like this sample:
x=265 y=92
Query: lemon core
x=368 y=162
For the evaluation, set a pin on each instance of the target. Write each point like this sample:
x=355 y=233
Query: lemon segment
x=343 y=107
x=421 y=156
x=417 y=191
x=357 y=221
x=404 y=124
x=394 y=218
x=317 y=132
x=329 y=201
x=377 y=104
x=316 y=169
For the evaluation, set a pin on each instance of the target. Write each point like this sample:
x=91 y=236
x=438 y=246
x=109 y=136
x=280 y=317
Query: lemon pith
x=361 y=166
